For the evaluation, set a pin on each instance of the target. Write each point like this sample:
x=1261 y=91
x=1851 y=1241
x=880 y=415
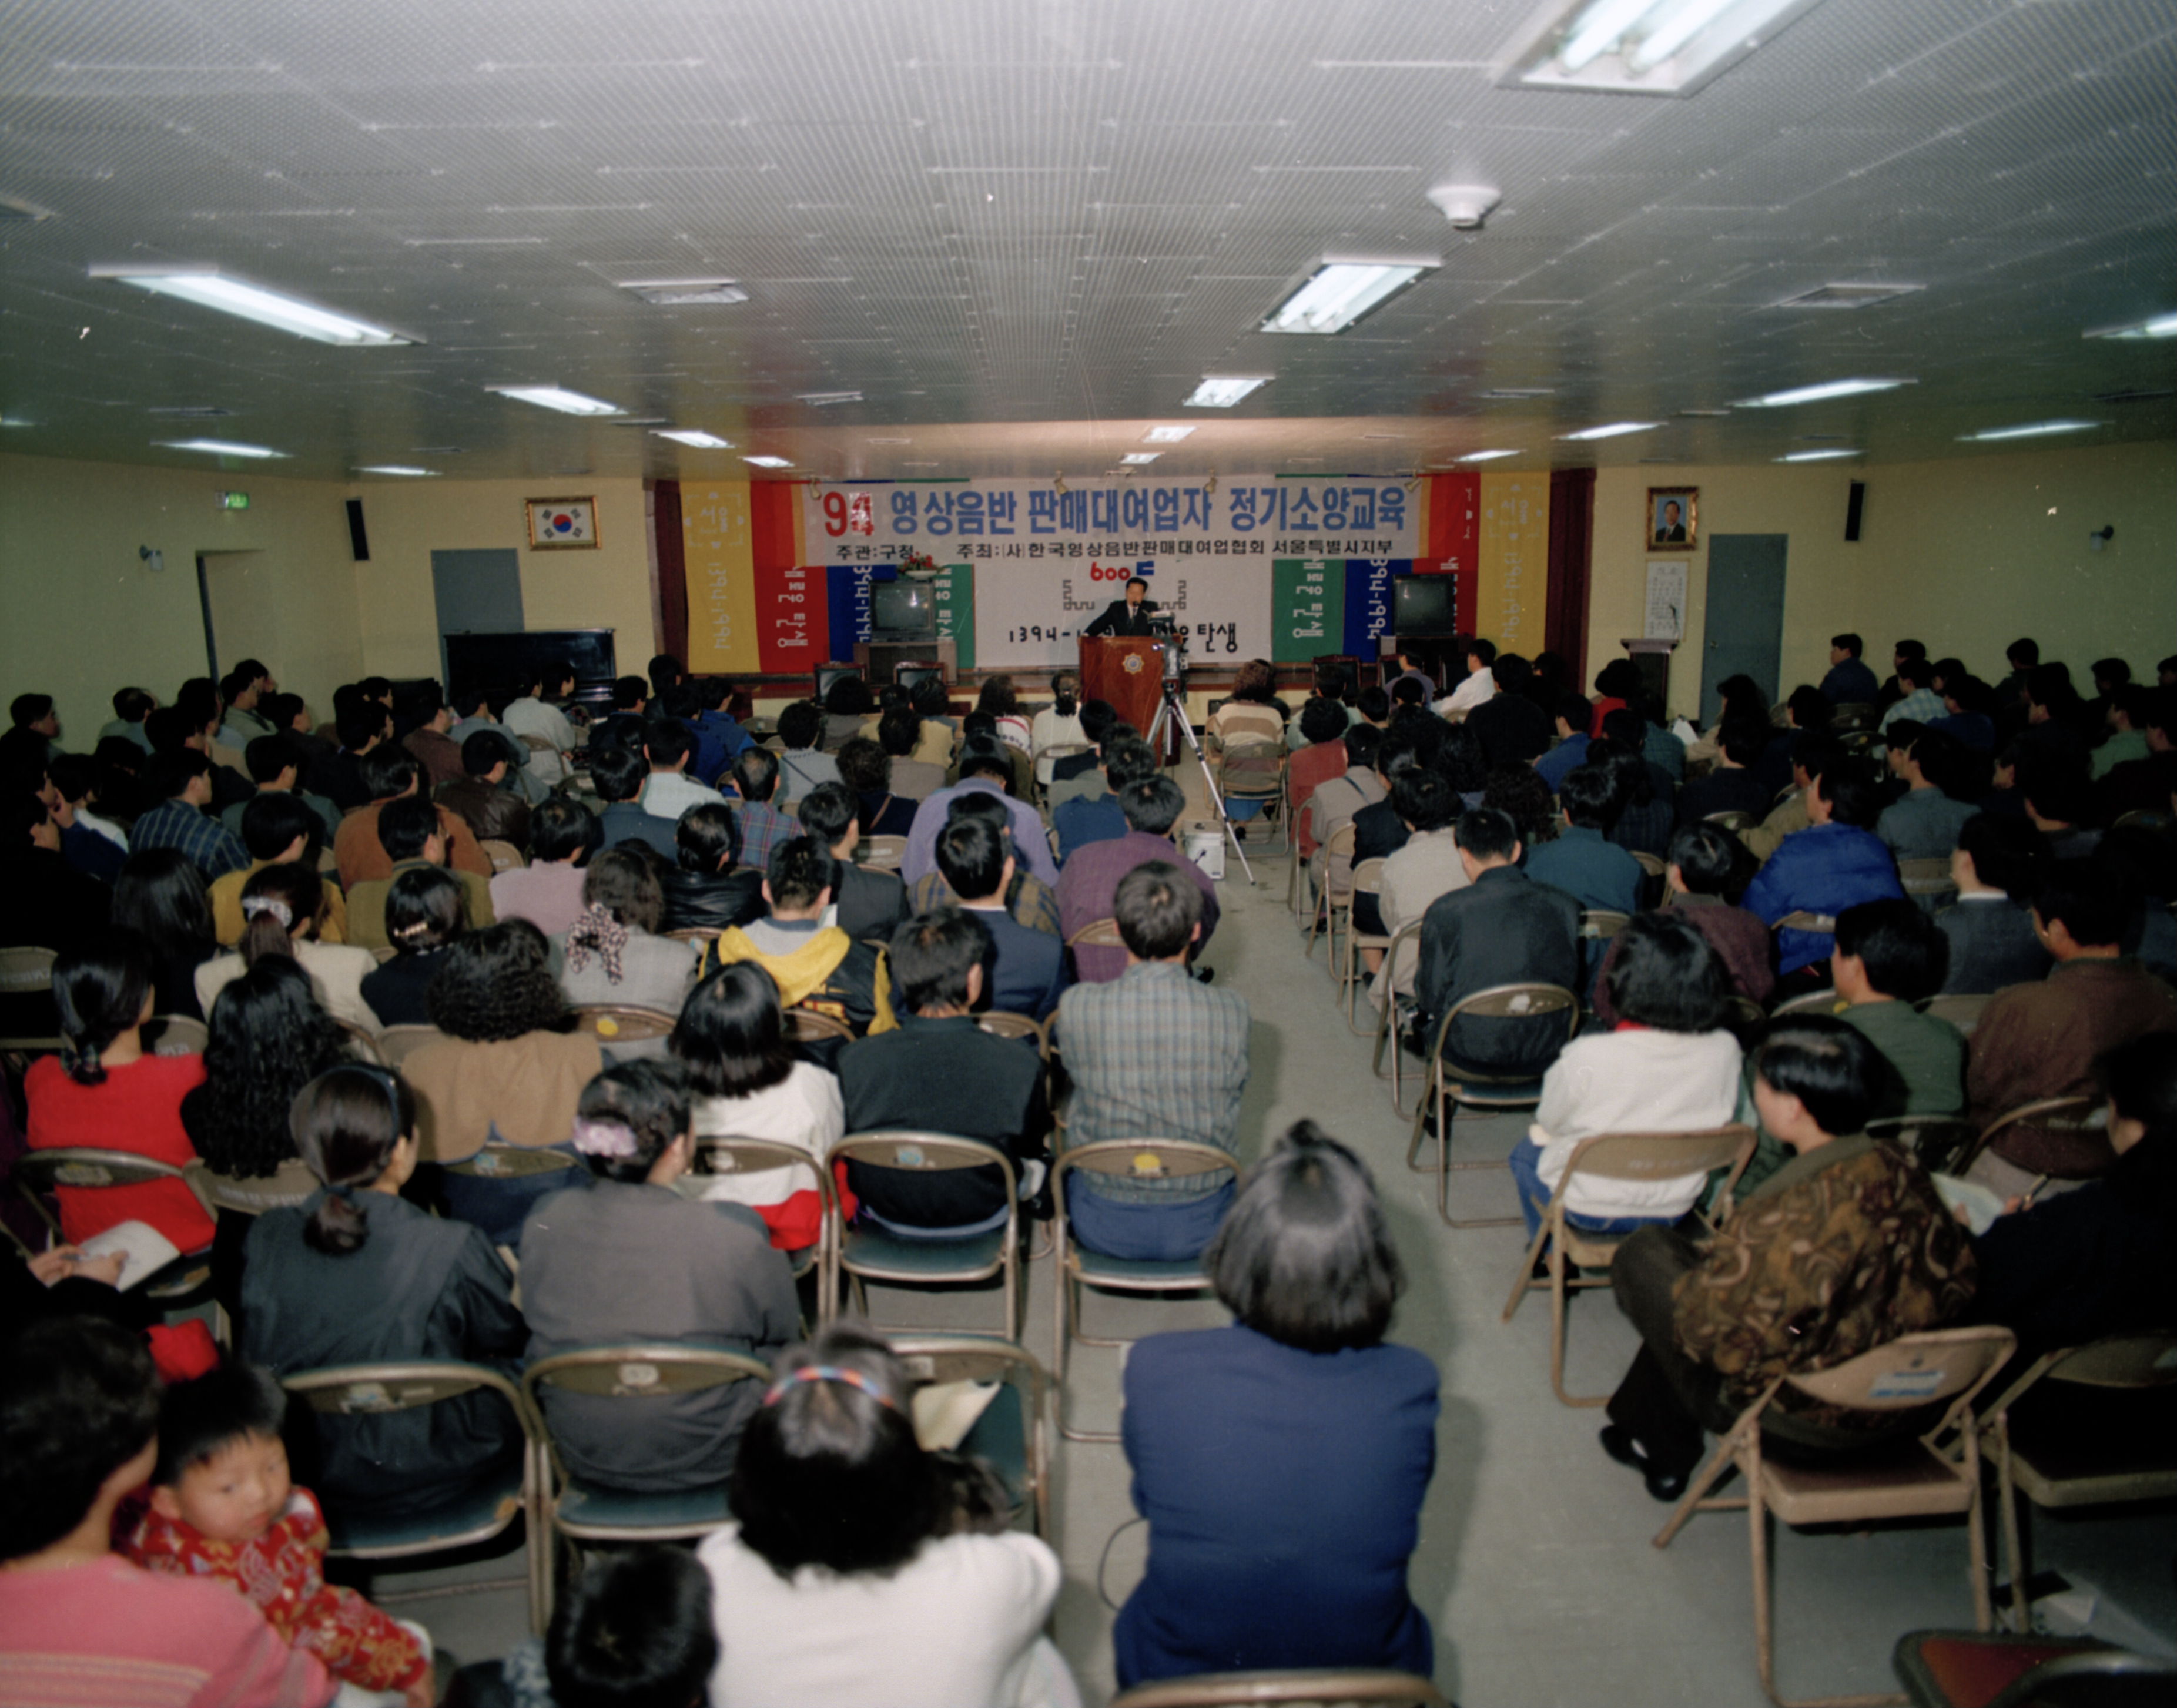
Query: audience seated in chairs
x=1378 y=831
x=1997 y=866
x=275 y=764
x=802 y=763
x=1706 y=866
x=912 y=778
x=758 y=818
x=613 y=954
x=1734 y=785
x=95 y=846
x=285 y=905
x=1644 y=809
x=939 y=1071
x=79 y=1433
x=1323 y=727
x=358 y=1275
x=1088 y=887
x=1813 y=752
x=633 y=1629
x=425 y=910
x=862 y=1568
x=2059 y=805
x=1667 y=1065
x=1889 y=956
x=1029 y=900
x=816 y=966
x=2041 y=1040
x=1428 y=865
x=548 y=891
x=746 y=1081
x=1849 y=682
x=1080 y=776
x=1281 y=1461
x=1580 y=859
x=362 y=728
x=45 y=902
x=617 y=774
x=1722 y=1316
x=181 y=783
x=1154 y=1053
x=492 y=808
x=392 y=774
x=625 y=1259
x=1254 y=717
x=268 y=1039
x=868 y=902
x=161 y=896
x=1333 y=805
x=424 y=709
x=1026 y=972
x=278 y=830
x=1511 y=728
x=2141 y=865
x=1835 y=863
x=1124 y=760
x=412 y=832
x=865 y=769
x=2144 y=784
x=704 y=889
x=1923 y=823
x=984 y=769
x=668 y=747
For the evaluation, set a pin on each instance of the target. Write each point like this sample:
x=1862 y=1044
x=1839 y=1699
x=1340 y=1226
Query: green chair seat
x=478 y=1513
x=1095 y=1269
x=872 y=1250
x=999 y=1438
x=583 y=1505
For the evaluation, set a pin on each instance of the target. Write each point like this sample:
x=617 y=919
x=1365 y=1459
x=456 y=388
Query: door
x=241 y=609
x=1744 y=626
x=479 y=592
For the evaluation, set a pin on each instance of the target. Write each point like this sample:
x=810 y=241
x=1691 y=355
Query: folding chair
x=1915 y=1477
x=622 y=1023
x=1961 y=1010
x=1734 y=821
x=1367 y=881
x=1803 y=921
x=25 y=971
x=1387 y=1017
x=728 y=1153
x=175 y=1035
x=697 y=935
x=1853 y=714
x=286 y=1187
x=486 y=1511
x=1926 y=881
x=2073 y=1114
x=383 y=953
x=1629 y=1156
x=1965 y=1669
x=396 y=1043
x=186 y=1280
x=1267 y=787
x=504 y=856
x=1096 y=934
x=1323 y=1687
x=1330 y=903
x=1935 y=1142
x=884 y=854
x=807 y=1026
x=2056 y=1457
x=583 y=1512
x=512 y=1162
x=1078 y=1267
x=361 y=1040
x=1013 y=1434
x=1454 y=1084
x=1825 y=1000
x=864 y=1254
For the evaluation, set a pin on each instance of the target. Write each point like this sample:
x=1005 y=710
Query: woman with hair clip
x=423 y=913
x=282 y=907
x=749 y=1083
x=998 y=699
x=864 y=1572
x=613 y=952
x=103 y=1092
x=1281 y=1462
x=358 y=1275
x=628 y=1259
x=161 y=895
x=1058 y=724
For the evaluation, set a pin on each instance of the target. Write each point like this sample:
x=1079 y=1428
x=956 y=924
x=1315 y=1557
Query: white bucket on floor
x=1204 y=845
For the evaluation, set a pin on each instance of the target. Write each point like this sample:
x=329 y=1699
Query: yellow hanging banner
x=721 y=559
x=1512 y=585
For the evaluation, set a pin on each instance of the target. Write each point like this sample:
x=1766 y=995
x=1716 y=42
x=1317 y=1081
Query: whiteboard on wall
x=1666 y=618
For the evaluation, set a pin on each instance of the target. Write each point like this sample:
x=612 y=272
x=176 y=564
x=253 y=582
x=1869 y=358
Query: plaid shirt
x=1031 y=901
x=1153 y=1055
x=763 y=826
x=1921 y=706
x=207 y=842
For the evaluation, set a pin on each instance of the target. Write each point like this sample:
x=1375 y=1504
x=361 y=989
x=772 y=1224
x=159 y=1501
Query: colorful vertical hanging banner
x=956 y=612
x=1307 y=608
x=1368 y=601
x=716 y=533
x=1511 y=595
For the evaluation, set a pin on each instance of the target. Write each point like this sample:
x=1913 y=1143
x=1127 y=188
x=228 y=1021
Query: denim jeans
x=1535 y=1198
x=1157 y=1233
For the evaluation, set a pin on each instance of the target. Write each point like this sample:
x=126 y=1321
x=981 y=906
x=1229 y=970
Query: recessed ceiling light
x=1649 y=46
x=557 y=397
x=675 y=293
x=1705 y=414
x=1486 y=456
x=1848 y=296
x=1339 y=292
x=398 y=468
x=210 y=289
x=220 y=447
x=15 y=421
x=1222 y=394
x=2160 y=326
x=438 y=450
x=1165 y=435
x=1815 y=456
x=824 y=399
x=767 y=461
x=1141 y=456
x=2030 y=429
x=192 y=411
x=13 y=208
x=1821 y=393
x=1612 y=429
x=1512 y=394
x=693 y=437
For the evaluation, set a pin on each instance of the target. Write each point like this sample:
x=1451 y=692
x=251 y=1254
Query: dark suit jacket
x=1378 y=833
x=716 y=901
x=1724 y=790
x=1511 y=729
x=1991 y=946
x=1026 y=973
x=1117 y=620
x=625 y=822
x=1502 y=928
x=492 y=812
x=870 y=904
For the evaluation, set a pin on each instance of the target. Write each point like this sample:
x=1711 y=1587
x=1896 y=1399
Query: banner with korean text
x=1513 y=552
x=716 y=535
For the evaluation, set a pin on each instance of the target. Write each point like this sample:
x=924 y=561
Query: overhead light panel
x=1223 y=394
x=1831 y=455
x=1138 y=456
x=557 y=397
x=1669 y=47
x=767 y=461
x=1165 y=435
x=1848 y=296
x=1821 y=393
x=209 y=289
x=1339 y=292
x=406 y=471
x=677 y=293
x=221 y=447
x=2160 y=326
x=1612 y=429
x=824 y=399
x=1486 y=456
x=2029 y=430
x=693 y=437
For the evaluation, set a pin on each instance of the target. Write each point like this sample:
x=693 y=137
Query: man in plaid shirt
x=762 y=825
x=1152 y=1054
x=182 y=781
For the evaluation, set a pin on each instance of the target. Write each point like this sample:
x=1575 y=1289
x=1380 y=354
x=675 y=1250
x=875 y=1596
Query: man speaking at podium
x=1128 y=616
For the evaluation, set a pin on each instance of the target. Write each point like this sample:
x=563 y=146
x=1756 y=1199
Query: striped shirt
x=205 y=842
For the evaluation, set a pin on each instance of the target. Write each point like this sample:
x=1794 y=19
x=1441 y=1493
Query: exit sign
x=233 y=501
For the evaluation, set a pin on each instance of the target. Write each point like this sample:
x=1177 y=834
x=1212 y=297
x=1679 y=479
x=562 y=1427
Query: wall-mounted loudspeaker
x=361 y=540
x=1852 y=509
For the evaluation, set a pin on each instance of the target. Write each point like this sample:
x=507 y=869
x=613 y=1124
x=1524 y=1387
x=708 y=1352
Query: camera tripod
x=1175 y=678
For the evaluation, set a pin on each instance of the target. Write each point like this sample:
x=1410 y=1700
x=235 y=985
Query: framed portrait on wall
x=1673 y=519
x=562 y=524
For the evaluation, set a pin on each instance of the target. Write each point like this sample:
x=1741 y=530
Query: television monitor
x=1344 y=665
x=902 y=611
x=909 y=676
x=827 y=674
x=1424 y=606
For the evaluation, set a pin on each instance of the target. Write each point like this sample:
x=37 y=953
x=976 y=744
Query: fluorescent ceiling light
x=768 y=461
x=213 y=290
x=672 y=293
x=2160 y=326
x=398 y=468
x=1649 y=46
x=1815 y=456
x=1223 y=394
x=1818 y=394
x=2030 y=429
x=220 y=447
x=557 y=397
x=693 y=437
x=1339 y=292
x=1141 y=456
x=824 y=399
x=1486 y=456
x=1165 y=435
x=1612 y=429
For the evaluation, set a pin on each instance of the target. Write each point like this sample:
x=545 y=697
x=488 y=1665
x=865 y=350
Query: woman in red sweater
x=103 y=1091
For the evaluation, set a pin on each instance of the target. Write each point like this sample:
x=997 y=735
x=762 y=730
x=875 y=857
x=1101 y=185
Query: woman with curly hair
x=268 y=1039
x=161 y=894
x=511 y=1070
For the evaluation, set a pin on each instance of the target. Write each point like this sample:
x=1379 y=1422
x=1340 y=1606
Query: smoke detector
x=1465 y=205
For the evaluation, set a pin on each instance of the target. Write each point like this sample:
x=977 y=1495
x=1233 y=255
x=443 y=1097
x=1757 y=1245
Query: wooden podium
x=1129 y=674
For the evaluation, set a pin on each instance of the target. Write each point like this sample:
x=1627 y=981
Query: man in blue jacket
x=1837 y=862
x=1849 y=681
